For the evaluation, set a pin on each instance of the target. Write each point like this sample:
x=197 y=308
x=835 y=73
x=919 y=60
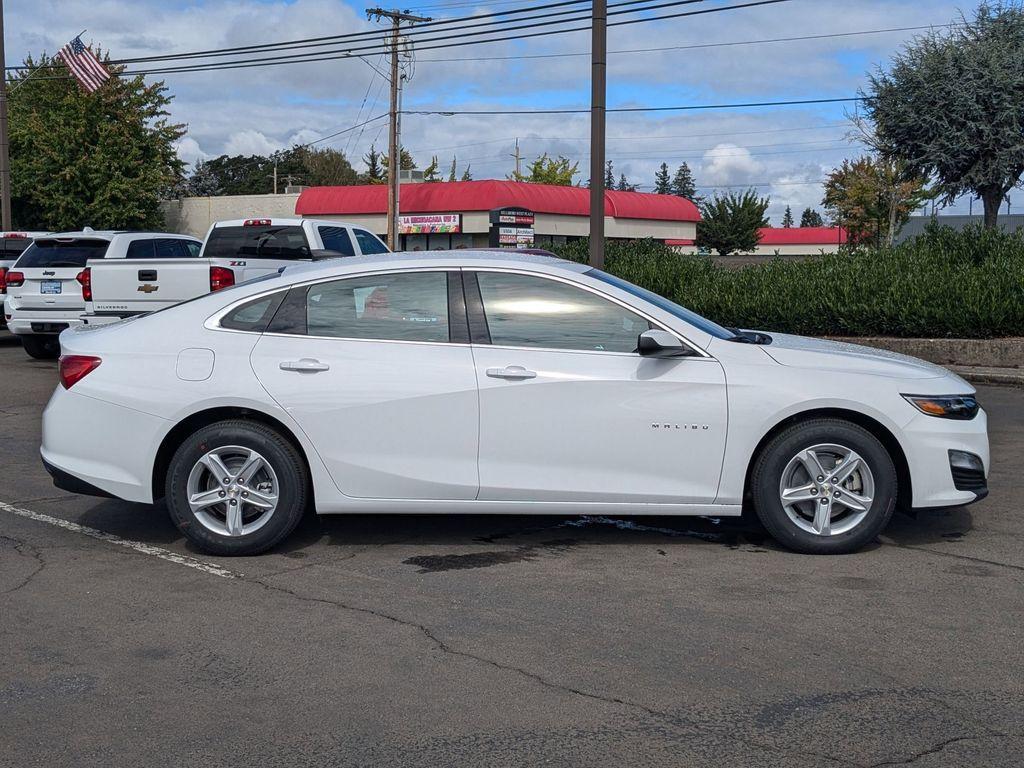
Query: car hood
x=822 y=354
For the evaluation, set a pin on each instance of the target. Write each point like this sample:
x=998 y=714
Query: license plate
x=47 y=287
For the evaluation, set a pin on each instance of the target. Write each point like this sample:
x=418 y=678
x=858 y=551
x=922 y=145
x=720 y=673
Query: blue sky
x=261 y=110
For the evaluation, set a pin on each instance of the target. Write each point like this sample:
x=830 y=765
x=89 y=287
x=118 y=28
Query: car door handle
x=305 y=365
x=511 y=372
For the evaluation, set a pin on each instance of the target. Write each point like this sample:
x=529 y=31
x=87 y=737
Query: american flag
x=87 y=69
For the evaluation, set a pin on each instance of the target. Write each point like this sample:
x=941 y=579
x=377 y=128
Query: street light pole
x=598 y=79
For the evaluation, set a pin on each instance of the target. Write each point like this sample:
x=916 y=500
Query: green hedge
x=942 y=284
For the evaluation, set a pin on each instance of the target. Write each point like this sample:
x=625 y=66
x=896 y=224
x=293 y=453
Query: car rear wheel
x=826 y=486
x=41 y=347
x=236 y=488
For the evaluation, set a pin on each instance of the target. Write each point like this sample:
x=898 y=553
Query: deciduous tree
x=548 y=170
x=102 y=159
x=951 y=106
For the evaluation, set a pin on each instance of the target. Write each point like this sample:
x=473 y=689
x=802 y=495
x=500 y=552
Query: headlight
x=960 y=407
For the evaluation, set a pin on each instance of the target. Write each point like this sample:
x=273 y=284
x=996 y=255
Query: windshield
x=62 y=253
x=702 y=323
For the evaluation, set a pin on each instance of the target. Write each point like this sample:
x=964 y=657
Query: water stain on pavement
x=440 y=563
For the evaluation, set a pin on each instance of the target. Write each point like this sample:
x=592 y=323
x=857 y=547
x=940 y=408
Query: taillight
x=15 y=279
x=74 y=368
x=221 y=277
x=85 y=280
x=3 y=279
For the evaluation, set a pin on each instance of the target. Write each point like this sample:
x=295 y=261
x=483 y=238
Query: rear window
x=70 y=252
x=257 y=242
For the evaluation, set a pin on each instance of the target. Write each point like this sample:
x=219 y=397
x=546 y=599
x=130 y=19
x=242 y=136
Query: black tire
x=41 y=347
x=283 y=457
x=772 y=462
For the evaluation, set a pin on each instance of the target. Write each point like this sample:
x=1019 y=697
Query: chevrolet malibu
x=468 y=383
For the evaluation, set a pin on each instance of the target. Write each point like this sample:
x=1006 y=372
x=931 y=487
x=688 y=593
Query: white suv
x=11 y=246
x=44 y=292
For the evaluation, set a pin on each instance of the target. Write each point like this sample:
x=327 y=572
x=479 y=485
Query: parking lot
x=498 y=641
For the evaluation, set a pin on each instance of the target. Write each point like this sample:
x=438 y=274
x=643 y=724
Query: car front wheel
x=236 y=488
x=826 y=486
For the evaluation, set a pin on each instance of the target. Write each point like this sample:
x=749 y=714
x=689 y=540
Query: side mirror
x=661 y=344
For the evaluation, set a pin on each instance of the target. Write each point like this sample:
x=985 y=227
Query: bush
x=944 y=283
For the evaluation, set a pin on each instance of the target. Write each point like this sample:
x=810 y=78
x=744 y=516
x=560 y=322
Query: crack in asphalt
x=25 y=549
x=444 y=647
x=935 y=749
x=954 y=555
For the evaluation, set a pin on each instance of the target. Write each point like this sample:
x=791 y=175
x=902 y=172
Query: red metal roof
x=456 y=196
x=679 y=243
x=802 y=236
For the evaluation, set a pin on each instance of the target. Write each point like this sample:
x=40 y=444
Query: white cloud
x=730 y=164
x=189 y=151
x=250 y=142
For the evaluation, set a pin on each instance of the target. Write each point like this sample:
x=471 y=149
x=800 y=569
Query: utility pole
x=394 y=147
x=275 y=173
x=5 y=159
x=518 y=158
x=598 y=76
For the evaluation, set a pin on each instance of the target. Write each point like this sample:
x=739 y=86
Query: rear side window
x=11 y=247
x=192 y=248
x=170 y=248
x=257 y=242
x=369 y=243
x=65 y=252
x=254 y=315
x=400 y=307
x=139 y=249
x=337 y=239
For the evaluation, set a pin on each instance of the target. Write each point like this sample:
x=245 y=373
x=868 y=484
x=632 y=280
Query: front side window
x=368 y=243
x=529 y=311
x=337 y=239
x=410 y=306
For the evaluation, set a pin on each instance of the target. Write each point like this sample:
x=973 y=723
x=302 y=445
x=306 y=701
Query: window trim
x=213 y=322
x=478 y=314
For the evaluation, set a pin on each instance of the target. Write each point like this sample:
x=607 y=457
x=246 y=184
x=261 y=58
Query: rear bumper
x=94 y=447
x=25 y=322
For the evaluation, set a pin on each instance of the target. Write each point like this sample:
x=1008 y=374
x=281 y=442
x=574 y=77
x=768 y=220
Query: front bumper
x=928 y=442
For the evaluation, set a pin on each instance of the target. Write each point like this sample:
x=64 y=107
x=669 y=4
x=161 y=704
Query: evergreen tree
x=609 y=175
x=683 y=184
x=811 y=218
x=549 y=170
x=451 y=171
x=730 y=223
x=625 y=186
x=787 y=218
x=374 y=168
x=430 y=172
x=662 y=181
x=466 y=175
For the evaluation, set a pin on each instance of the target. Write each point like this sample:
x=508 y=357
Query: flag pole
x=5 y=158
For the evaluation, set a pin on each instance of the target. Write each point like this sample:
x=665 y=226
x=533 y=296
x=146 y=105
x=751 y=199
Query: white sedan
x=475 y=383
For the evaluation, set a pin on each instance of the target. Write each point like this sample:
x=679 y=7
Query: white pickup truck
x=47 y=286
x=232 y=252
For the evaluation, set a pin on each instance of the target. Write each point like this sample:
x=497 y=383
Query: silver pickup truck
x=233 y=251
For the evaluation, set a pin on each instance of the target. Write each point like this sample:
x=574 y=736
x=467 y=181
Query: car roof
x=110 y=234
x=445 y=259
x=281 y=221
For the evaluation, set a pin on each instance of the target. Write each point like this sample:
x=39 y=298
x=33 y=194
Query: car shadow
x=152 y=525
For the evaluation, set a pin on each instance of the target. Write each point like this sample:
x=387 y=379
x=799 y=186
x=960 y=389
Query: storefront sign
x=511 y=228
x=430 y=223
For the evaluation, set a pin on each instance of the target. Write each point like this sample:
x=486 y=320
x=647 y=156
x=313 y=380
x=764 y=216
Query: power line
x=681 y=108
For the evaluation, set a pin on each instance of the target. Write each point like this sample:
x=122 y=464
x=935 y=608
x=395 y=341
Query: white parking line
x=138 y=546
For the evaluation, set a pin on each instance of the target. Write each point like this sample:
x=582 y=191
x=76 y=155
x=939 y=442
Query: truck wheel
x=41 y=347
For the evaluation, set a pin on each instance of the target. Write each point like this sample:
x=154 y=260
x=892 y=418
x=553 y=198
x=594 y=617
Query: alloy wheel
x=827 y=489
x=233 y=490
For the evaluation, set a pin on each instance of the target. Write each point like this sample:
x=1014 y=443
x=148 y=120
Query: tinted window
x=12 y=246
x=337 y=239
x=400 y=307
x=254 y=315
x=70 y=252
x=257 y=242
x=192 y=248
x=369 y=243
x=139 y=249
x=169 y=248
x=526 y=311
x=709 y=327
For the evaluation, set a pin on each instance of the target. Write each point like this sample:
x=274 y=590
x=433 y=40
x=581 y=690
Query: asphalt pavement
x=502 y=641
